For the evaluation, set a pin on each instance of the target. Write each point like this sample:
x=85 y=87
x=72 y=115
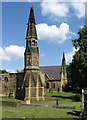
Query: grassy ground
x=44 y=111
x=61 y=94
x=41 y=101
x=33 y=101
x=10 y=99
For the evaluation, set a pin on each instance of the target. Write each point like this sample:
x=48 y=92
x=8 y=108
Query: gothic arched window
x=6 y=79
x=47 y=85
x=53 y=85
x=33 y=42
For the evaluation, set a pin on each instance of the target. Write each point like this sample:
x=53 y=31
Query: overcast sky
x=57 y=24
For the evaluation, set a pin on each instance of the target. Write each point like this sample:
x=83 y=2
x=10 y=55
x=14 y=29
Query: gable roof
x=52 y=72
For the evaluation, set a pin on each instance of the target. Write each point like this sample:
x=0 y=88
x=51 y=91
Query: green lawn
x=41 y=101
x=11 y=99
x=42 y=111
x=33 y=101
x=76 y=97
x=61 y=94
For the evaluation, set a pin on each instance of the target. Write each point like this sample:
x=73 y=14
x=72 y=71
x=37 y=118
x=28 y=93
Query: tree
x=3 y=72
x=78 y=67
x=20 y=71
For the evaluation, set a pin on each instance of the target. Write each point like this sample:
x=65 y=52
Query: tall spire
x=31 y=29
x=63 y=56
x=63 y=60
x=31 y=51
x=31 y=17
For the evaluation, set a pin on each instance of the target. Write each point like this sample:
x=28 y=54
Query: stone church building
x=36 y=81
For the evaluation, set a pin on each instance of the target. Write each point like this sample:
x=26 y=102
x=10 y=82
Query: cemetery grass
x=43 y=111
x=61 y=94
x=33 y=101
x=41 y=101
x=10 y=99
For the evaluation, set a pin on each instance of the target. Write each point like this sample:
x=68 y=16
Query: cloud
x=62 y=0
x=3 y=55
x=81 y=26
x=54 y=8
x=60 y=8
x=79 y=9
x=11 y=71
x=73 y=33
x=53 y=33
x=42 y=54
x=11 y=52
x=69 y=55
x=0 y=65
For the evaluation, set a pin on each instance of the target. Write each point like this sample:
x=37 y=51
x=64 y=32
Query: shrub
x=78 y=97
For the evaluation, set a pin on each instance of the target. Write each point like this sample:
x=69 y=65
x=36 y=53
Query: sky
x=57 y=23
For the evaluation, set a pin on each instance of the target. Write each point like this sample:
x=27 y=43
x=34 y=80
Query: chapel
x=36 y=81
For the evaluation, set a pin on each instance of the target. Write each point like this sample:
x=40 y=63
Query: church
x=36 y=81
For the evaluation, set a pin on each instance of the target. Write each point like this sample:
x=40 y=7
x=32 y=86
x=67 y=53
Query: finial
x=32 y=7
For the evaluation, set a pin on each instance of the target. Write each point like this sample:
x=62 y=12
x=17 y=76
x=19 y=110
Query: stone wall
x=53 y=86
x=11 y=84
x=8 y=85
x=16 y=85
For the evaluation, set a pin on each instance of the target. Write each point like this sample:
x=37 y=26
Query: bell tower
x=32 y=83
x=31 y=53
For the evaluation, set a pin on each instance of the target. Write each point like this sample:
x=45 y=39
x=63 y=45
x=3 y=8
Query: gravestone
x=84 y=103
x=82 y=106
x=57 y=102
x=28 y=101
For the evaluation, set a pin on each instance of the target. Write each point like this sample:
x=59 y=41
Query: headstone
x=57 y=102
x=84 y=103
x=82 y=106
x=28 y=101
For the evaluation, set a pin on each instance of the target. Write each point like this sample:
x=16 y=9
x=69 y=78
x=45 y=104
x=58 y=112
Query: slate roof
x=52 y=72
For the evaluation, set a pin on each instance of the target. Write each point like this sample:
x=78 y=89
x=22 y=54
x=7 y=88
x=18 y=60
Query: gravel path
x=51 y=103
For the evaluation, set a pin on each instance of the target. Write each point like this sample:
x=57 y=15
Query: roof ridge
x=51 y=66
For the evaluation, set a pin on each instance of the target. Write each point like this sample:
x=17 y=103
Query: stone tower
x=63 y=73
x=33 y=84
x=31 y=53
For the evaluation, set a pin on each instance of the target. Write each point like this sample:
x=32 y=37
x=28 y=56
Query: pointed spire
x=63 y=60
x=31 y=29
x=31 y=17
x=63 y=56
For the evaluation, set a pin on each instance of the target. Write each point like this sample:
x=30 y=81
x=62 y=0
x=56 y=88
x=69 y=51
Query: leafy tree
x=78 y=67
x=69 y=83
x=20 y=71
x=68 y=74
x=3 y=72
